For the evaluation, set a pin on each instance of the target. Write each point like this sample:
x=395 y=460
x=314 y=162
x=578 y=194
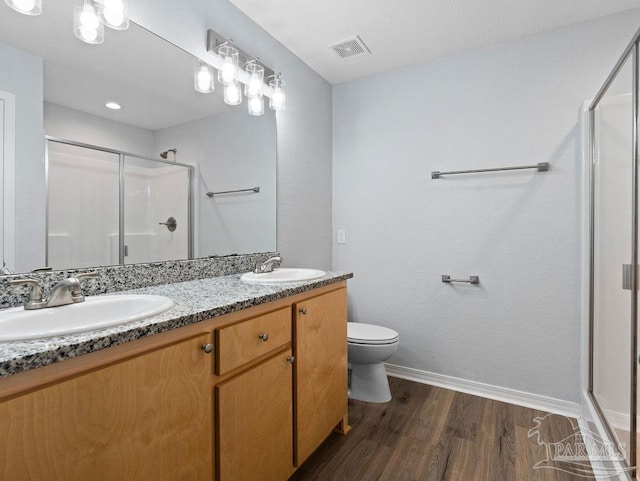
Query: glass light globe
x=113 y=13
x=255 y=106
x=228 y=71
x=256 y=79
x=27 y=7
x=86 y=23
x=232 y=94
x=203 y=78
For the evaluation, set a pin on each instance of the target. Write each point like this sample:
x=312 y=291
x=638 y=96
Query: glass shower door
x=157 y=211
x=82 y=206
x=612 y=310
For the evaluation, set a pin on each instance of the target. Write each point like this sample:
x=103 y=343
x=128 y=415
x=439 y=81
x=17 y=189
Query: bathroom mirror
x=59 y=87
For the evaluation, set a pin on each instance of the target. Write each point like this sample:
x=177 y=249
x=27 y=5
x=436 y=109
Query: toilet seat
x=361 y=333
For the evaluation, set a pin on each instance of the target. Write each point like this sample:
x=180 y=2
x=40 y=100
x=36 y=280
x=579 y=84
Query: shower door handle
x=626 y=277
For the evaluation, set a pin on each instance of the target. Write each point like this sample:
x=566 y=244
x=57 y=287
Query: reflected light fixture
x=278 y=100
x=203 y=77
x=114 y=14
x=228 y=71
x=86 y=22
x=113 y=105
x=232 y=94
x=251 y=77
x=255 y=106
x=27 y=7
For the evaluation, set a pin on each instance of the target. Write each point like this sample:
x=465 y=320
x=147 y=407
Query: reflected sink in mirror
x=18 y=324
x=283 y=274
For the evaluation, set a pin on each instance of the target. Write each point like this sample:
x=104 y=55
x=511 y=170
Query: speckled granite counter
x=194 y=301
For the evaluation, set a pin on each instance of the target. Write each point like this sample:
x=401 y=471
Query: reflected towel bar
x=471 y=280
x=255 y=190
x=541 y=167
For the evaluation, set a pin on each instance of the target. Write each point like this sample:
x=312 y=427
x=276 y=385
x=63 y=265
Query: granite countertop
x=194 y=301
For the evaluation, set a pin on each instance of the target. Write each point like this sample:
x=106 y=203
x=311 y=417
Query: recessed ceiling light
x=113 y=106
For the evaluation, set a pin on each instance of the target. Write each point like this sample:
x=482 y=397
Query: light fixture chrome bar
x=215 y=41
x=255 y=190
x=472 y=279
x=541 y=167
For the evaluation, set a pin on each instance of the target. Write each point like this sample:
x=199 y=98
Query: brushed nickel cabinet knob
x=291 y=359
x=207 y=348
x=264 y=336
x=302 y=310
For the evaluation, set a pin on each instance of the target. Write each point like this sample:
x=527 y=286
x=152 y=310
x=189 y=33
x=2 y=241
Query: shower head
x=166 y=153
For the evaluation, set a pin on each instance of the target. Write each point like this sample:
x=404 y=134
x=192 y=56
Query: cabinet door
x=320 y=332
x=145 y=419
x=254 y=423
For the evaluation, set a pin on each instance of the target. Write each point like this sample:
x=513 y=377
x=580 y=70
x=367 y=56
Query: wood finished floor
x=431 y=434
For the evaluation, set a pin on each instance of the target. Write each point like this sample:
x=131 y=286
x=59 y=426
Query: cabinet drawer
x=247 y=340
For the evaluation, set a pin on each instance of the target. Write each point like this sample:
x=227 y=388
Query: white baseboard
x=512 y=396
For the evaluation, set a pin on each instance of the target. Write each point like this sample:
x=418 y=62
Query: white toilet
x=368 y=346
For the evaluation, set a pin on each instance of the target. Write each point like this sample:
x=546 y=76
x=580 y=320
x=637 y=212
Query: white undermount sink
x=97 y=312
x=283 y=274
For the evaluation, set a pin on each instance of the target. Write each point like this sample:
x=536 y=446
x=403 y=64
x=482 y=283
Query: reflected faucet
x=67 y=291
x=267 y=266
x=5 y=269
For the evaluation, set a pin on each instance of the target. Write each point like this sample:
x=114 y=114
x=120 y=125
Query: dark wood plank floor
x=431 y=434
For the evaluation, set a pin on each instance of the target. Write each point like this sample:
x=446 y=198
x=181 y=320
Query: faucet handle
x=76 y=291
x=35 y=296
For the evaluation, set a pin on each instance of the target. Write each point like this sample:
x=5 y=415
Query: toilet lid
x=361 y=333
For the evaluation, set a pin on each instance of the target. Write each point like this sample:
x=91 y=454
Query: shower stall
x=107 y=207
x=613 y=255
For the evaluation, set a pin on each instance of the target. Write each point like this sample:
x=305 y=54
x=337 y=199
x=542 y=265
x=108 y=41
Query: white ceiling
x=404 y=32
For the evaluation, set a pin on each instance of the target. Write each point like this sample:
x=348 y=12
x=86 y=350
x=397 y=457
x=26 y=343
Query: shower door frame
x=633 y=51
x=121 y=197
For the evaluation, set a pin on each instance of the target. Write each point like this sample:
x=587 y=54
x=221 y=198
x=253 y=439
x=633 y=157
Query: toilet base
x=369 y=383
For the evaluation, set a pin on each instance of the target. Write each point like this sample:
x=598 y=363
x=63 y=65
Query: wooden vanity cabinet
x=145 y=418
x=254 y=423
x=247 y=396
x=320 y=348
x=254 y=407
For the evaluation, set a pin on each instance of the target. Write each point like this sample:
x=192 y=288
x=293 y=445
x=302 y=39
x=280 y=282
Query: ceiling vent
x=350 y=48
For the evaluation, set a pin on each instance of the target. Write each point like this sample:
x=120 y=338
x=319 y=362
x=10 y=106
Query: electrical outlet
x=342 y=236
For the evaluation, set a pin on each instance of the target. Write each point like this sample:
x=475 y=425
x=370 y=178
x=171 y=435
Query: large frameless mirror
x=58 y=86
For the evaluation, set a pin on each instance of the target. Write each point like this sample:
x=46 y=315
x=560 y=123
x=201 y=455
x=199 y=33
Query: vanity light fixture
x=86 y=22
x=278 y=100
x=114 y=14
x=113 y=105
x=27 y=7
x=253 y=76
x=203 y=77
x=228 y=71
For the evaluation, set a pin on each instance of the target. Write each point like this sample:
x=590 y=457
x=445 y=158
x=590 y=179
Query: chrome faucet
x=267 y=266
x=67 y=291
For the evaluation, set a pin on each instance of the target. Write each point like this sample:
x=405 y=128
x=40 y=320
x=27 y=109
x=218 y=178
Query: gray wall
x=21 y=75
x=304 y=128
x=509 y=104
